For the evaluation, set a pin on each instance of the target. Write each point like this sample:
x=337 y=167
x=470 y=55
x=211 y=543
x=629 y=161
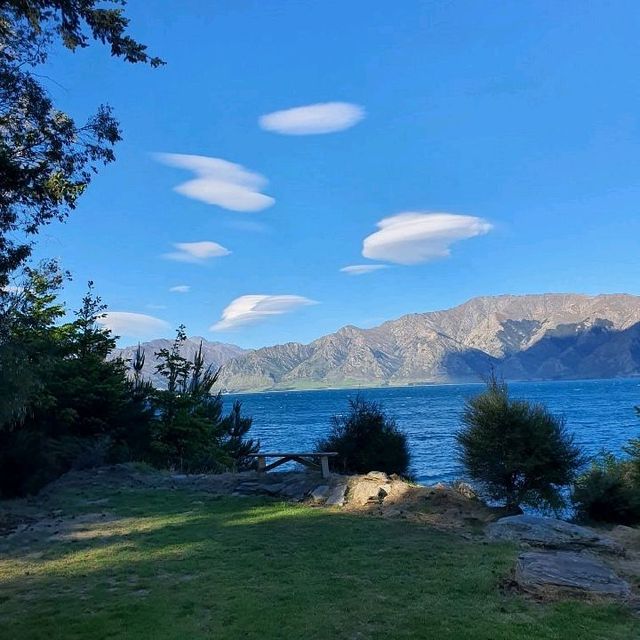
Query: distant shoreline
x=423 y=385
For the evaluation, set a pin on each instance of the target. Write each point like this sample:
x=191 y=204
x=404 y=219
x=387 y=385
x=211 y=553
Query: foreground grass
x=179 y=565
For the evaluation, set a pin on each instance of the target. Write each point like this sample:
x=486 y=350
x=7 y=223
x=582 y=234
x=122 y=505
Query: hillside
x=215 y=353
x=531 y=337
x=545 y=336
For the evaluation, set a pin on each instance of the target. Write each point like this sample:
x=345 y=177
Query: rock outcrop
x=551 y=534
x=548 y=574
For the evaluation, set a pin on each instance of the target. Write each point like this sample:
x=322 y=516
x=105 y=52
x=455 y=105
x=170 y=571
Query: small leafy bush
x=518 y=452
x=608 y=492
x=366 y=439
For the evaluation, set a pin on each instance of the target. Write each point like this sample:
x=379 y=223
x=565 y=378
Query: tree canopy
x=47 y=159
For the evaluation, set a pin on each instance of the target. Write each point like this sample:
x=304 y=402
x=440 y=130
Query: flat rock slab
x=548 y=573
x=320 y=493
x=551 y=533
x=337 y=496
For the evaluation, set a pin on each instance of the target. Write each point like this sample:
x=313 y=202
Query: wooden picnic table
x=306 y=458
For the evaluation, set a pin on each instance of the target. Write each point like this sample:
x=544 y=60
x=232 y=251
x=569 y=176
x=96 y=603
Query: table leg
x=324 y=464
x=262 y=463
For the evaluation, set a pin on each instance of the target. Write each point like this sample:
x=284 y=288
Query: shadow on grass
x=179 y=565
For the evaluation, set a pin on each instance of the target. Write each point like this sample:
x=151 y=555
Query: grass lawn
x=172 y=564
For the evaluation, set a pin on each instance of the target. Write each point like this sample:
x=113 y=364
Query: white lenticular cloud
x=196 y=252
x=133 y=325
x=255 y=308
x=361 y=269
x=324 y=117
x=180 y=288
x=411 y=238
x=220 y=182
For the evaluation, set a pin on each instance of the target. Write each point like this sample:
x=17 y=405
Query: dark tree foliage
x=46 y=158
x=187 y=431
x=366 y=439
x=28 y=339
x=76 y=405
x=519 y=452
x=608 y=492
x=236 y=444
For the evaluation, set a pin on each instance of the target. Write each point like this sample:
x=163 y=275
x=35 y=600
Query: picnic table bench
x=306 y=458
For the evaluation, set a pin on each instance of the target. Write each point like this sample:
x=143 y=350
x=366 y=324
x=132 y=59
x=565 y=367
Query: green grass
x=180 y=565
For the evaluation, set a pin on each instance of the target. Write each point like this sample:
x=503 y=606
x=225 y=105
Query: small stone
x=465 y=490
x=550 y=572
x=377 y=475
x=384 y=491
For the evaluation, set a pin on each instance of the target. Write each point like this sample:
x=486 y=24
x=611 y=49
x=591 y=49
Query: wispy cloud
x=323 y=117
x=10 y=288
x=133 y=325
x=255 y=308
x=411 y=238
x=361 y=269
x=180 y=288
x=220 y=182
x=196 y=252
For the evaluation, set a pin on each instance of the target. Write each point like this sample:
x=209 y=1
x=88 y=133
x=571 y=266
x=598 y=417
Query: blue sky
x=517 y=122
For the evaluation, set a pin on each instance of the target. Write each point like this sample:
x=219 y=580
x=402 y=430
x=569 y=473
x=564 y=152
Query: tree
x=75 y=406
x=608 y=492
x=366 y=439
x=236 y=444
x=519 y=452
x=187 y=431
x=46 y=159
x=28 y=339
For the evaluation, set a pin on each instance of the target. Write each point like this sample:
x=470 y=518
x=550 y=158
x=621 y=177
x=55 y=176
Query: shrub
x=366 y=439
x=608 y=492
x=518 y=452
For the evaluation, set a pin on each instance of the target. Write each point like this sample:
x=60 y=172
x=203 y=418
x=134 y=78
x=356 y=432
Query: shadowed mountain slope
x=525 y=337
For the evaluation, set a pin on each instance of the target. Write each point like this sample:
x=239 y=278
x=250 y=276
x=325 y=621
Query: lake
x=599 y=412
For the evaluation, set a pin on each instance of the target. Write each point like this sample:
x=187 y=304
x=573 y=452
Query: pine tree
x=236 y=428
x=187 y=430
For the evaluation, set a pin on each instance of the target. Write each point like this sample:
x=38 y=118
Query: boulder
x=320 y=493
x=369 y=488
x=550 y=573
x=551 y=533
x=337 y=496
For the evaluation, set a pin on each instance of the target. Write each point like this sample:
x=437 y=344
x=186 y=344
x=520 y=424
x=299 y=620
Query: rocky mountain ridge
x=215 y=354
x=530 y=337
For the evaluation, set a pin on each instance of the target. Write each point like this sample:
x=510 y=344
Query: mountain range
x=215 y=354
x=529 y=337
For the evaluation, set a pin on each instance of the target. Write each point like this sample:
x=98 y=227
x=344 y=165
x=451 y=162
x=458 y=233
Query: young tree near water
x=519 y=452
x=189 y=432
x=366 y=439
x=236 y=428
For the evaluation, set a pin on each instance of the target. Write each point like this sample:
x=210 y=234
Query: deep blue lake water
x=599 y=412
